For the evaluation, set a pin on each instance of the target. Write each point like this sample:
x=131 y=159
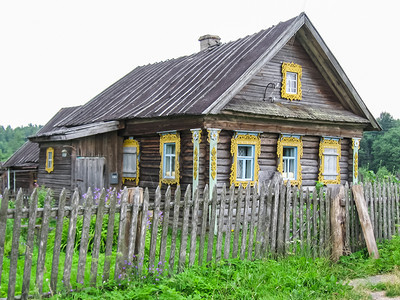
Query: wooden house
x=20 y=170
x=233 y=113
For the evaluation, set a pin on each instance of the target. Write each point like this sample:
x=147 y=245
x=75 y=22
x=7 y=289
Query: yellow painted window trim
x=295 y=68
x=165 y=139
x=245 y=139
x=132 y=143
x=51 y=168
x=290 y=141
x=333 y=144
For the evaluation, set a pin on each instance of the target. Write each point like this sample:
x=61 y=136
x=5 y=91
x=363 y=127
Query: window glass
x=330 y=161
x=129 y=162
x=169 y=160
x=49 y=159
x=291 y=83
x=289 y=162
x=245 y=162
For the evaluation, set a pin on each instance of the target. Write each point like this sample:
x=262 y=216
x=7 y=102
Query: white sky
x=55 y=54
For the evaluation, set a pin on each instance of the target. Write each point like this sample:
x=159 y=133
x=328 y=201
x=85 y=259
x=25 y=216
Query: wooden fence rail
x=108 y=235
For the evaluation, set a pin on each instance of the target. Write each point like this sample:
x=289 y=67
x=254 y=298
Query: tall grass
x=293 y=277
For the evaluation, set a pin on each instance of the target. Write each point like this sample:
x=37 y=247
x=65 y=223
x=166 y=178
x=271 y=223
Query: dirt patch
x=362 y=284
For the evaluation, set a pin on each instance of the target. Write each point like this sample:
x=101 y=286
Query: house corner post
x=196 y=140
x=355 y=147
x=213 y=139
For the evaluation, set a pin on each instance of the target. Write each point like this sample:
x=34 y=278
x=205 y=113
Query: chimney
x=209 y=41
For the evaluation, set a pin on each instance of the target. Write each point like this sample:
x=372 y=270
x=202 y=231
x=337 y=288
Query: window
x=169 y=161
x=289 y=163
x=169 y=150
x=130 y=161
x=245 y=149
x=245 y=162
x=329 y=154
x=49 y=160
x=289 y=152
x=291 y=81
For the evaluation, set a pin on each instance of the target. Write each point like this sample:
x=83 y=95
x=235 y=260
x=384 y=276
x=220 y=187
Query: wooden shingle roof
x=206 y=82
x=27 y=156
x=186 y=85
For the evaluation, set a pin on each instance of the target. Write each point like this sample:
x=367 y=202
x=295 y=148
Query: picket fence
x=163 y=235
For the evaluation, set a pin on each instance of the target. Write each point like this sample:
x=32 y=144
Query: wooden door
x=89 y=172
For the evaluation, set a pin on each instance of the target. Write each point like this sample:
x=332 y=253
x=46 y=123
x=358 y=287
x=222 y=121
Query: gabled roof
x=205 y=82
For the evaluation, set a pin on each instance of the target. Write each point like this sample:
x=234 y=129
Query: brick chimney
x=209 y=41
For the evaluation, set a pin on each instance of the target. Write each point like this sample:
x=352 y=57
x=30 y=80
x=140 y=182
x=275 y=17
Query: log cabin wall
x=60 y=177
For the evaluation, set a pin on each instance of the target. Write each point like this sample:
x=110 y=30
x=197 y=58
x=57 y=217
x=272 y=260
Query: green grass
x=293 y=277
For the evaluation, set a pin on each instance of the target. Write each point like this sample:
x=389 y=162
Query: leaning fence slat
x=3 y=225
x=245 y=223
x=143 y=230
x=185 y=230
x=69 y=250
x=121 y=236
x=57 y=241
x=163 y=244
x=29 y=244
x=315 y=224
x=280 y=239
x=220 y=225
x=274 y=217
x=252 y=222
x=301 y=220
x=308 y=220
x=227 y=247
x=212 y=226
x=237 y=222
x=321 y=221
x=174 y=229
x=260 y=223
x=154 y=230
x=83 y=247
x=97 y=237
x=14 y=245
x=385 y=210
x=294 y=219
x=44 y=233
x=266 y=246
x=287 y=217
x=203 y=225
x=380 y=213
x=110 y=235
x=327 y=221
x=193 y=235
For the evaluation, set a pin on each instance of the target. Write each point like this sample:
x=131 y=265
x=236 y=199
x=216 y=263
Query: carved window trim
x=329 y=143
x=49 y=160
x=131 y=143
x=165 y=139
x=241 y=139
x=291 y=141
x=291 y=68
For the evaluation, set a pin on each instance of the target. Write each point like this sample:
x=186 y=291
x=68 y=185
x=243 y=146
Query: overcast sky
x=56 y=54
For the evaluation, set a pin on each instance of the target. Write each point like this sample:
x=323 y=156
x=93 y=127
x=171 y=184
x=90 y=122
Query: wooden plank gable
x=262 y=95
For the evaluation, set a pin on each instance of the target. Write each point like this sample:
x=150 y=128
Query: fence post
x=337 y=220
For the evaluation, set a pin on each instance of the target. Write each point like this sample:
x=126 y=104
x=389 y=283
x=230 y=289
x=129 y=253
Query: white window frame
x=291 y=83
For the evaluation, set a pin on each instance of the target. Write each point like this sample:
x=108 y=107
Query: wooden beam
x=365 y=220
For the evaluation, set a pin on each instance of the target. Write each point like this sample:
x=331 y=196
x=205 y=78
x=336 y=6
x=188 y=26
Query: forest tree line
x=13 y=138
x=380 y=150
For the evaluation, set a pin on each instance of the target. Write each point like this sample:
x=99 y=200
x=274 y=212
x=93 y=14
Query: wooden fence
x=169 y=233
